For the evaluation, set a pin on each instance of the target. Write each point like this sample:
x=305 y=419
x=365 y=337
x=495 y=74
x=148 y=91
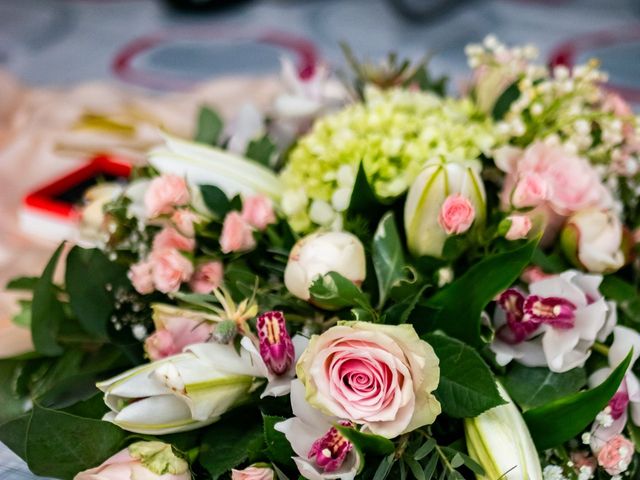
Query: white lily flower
x=184 y=391
x=499 y=440
x=555 y=325
x=249 y=125
x=322 y=452
x=627 y=398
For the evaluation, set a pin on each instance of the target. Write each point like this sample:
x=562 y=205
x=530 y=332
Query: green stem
x=601 y=348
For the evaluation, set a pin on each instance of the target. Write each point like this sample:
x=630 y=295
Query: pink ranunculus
x=160 y=344
x=141 y=278
x=237 y=234
x=169 y=269
x=379 y=376
x=164 y=194
x=184 y=219
x=169 y=237
x=257 y=210
x=531 y=190
x=140 y=461
x=253 y=473
x=207 y=277
x=456 y=215
x=616 y=455
x=519 y=228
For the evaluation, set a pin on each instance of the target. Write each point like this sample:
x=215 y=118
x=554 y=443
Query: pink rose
x=519 y=228
x=177 y=328
x=237 y=234
x=142 y=461
x=456 y=215
x=164 y=193
x=169 y=269
x=257 y=211
x=531 y=190
x=582 y=459
x=184 y=219
x=617 y=105
x=169 y=237
x=140 y=276
x=380 y=376
x=252 y=473
x=616 y=455
x=207 y=277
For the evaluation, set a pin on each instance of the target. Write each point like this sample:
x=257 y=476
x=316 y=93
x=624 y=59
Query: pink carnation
x=456 y=215
x=237 y=234
x=164 y=193
x=520 y=227
x=169 y=237
x=140 y=276
x=257 y=211
x=207 y=277
x=169 y=269
x=616 y=455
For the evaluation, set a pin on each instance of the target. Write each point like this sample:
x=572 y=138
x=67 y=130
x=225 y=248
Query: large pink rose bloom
x=164 y=194
x=547 y=176
x=379 y=376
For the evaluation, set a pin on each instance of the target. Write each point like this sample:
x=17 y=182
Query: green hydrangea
x=394 y=133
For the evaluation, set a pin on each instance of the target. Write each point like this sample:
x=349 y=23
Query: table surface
x=145 y=45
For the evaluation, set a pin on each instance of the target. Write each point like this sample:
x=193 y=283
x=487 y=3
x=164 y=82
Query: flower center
x=555 y=311
x=331 y=449
x=276 y=348
x=618 y=404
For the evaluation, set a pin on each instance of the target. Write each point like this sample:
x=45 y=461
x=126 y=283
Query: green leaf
x=13 y=404
x=363 y=198
x=278 y=447
x=424 y=450
x=333 y=292
x=215 y=200
x=558 y=421
x=415 y=468
x=53 y=447
x=13 y=434
x=467 y=387
x=261 y=150
x=401 y=311
x=502 y=105
x=230 y=442
x=47 y=312
x=367 y=442
x=384 y=468
x=388 y=259
x=533 y=387
x=23 y=317
x=210 y=126
x=22 y=283
x=458 y=306
x=91 y=282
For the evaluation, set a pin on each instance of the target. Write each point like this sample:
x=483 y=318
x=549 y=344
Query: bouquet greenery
x=372 y=280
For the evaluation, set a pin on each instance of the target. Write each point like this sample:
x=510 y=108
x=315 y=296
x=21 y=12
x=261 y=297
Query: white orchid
x=627 y=399
x=322 y=452
x=555 y=325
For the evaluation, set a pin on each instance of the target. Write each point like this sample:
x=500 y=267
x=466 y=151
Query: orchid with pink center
x=627 y=398
x=276 y=348
x=322 y=452
x=555 y=325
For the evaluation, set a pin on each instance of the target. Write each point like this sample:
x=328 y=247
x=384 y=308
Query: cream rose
x=380 y=376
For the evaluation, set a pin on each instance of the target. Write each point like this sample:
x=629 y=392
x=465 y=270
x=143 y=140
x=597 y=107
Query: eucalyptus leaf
x=562 y=419
x=388 y=258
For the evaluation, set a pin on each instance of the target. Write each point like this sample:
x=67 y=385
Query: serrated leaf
x=215 y=200
x=456 y=309
x=278 y=447
x=387 y=255
x=333 y=292
x=210 y=126
x=533 y=387
x=467 y=387
x=558 y=421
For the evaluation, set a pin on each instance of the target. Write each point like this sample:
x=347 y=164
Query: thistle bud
x=225 y=331
x=276 y=348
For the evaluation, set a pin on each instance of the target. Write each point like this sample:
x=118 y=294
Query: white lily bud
x=320 y=253
x=184 y=391
x=427 y=194
x=500 y=441
x=593 y=240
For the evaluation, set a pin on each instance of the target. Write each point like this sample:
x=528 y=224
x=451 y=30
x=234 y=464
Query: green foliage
x=502 y=105
x=467 y=387
x=277 y=446
x=210 y=126
x=261 y=150
x=215 y=200
x=564 y=418
x=388 y=258
x=22 y=283
x=364 y=202
x=334 y=292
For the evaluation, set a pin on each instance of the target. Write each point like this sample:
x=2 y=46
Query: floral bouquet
x=371 y=280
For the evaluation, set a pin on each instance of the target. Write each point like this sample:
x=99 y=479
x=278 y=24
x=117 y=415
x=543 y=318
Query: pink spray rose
x=380 y=376
x=237 y=234
x=207 y=277
x=456 y=215
x=257 y=211
x=616 y=455
x=140 y=276
x=169 y=269
x=253 y=473
x=531 y=190
x=164 y=193
x=140 y=461
x=160 y=344
x=169 y=237
x=184 y=219
x=519 y=228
